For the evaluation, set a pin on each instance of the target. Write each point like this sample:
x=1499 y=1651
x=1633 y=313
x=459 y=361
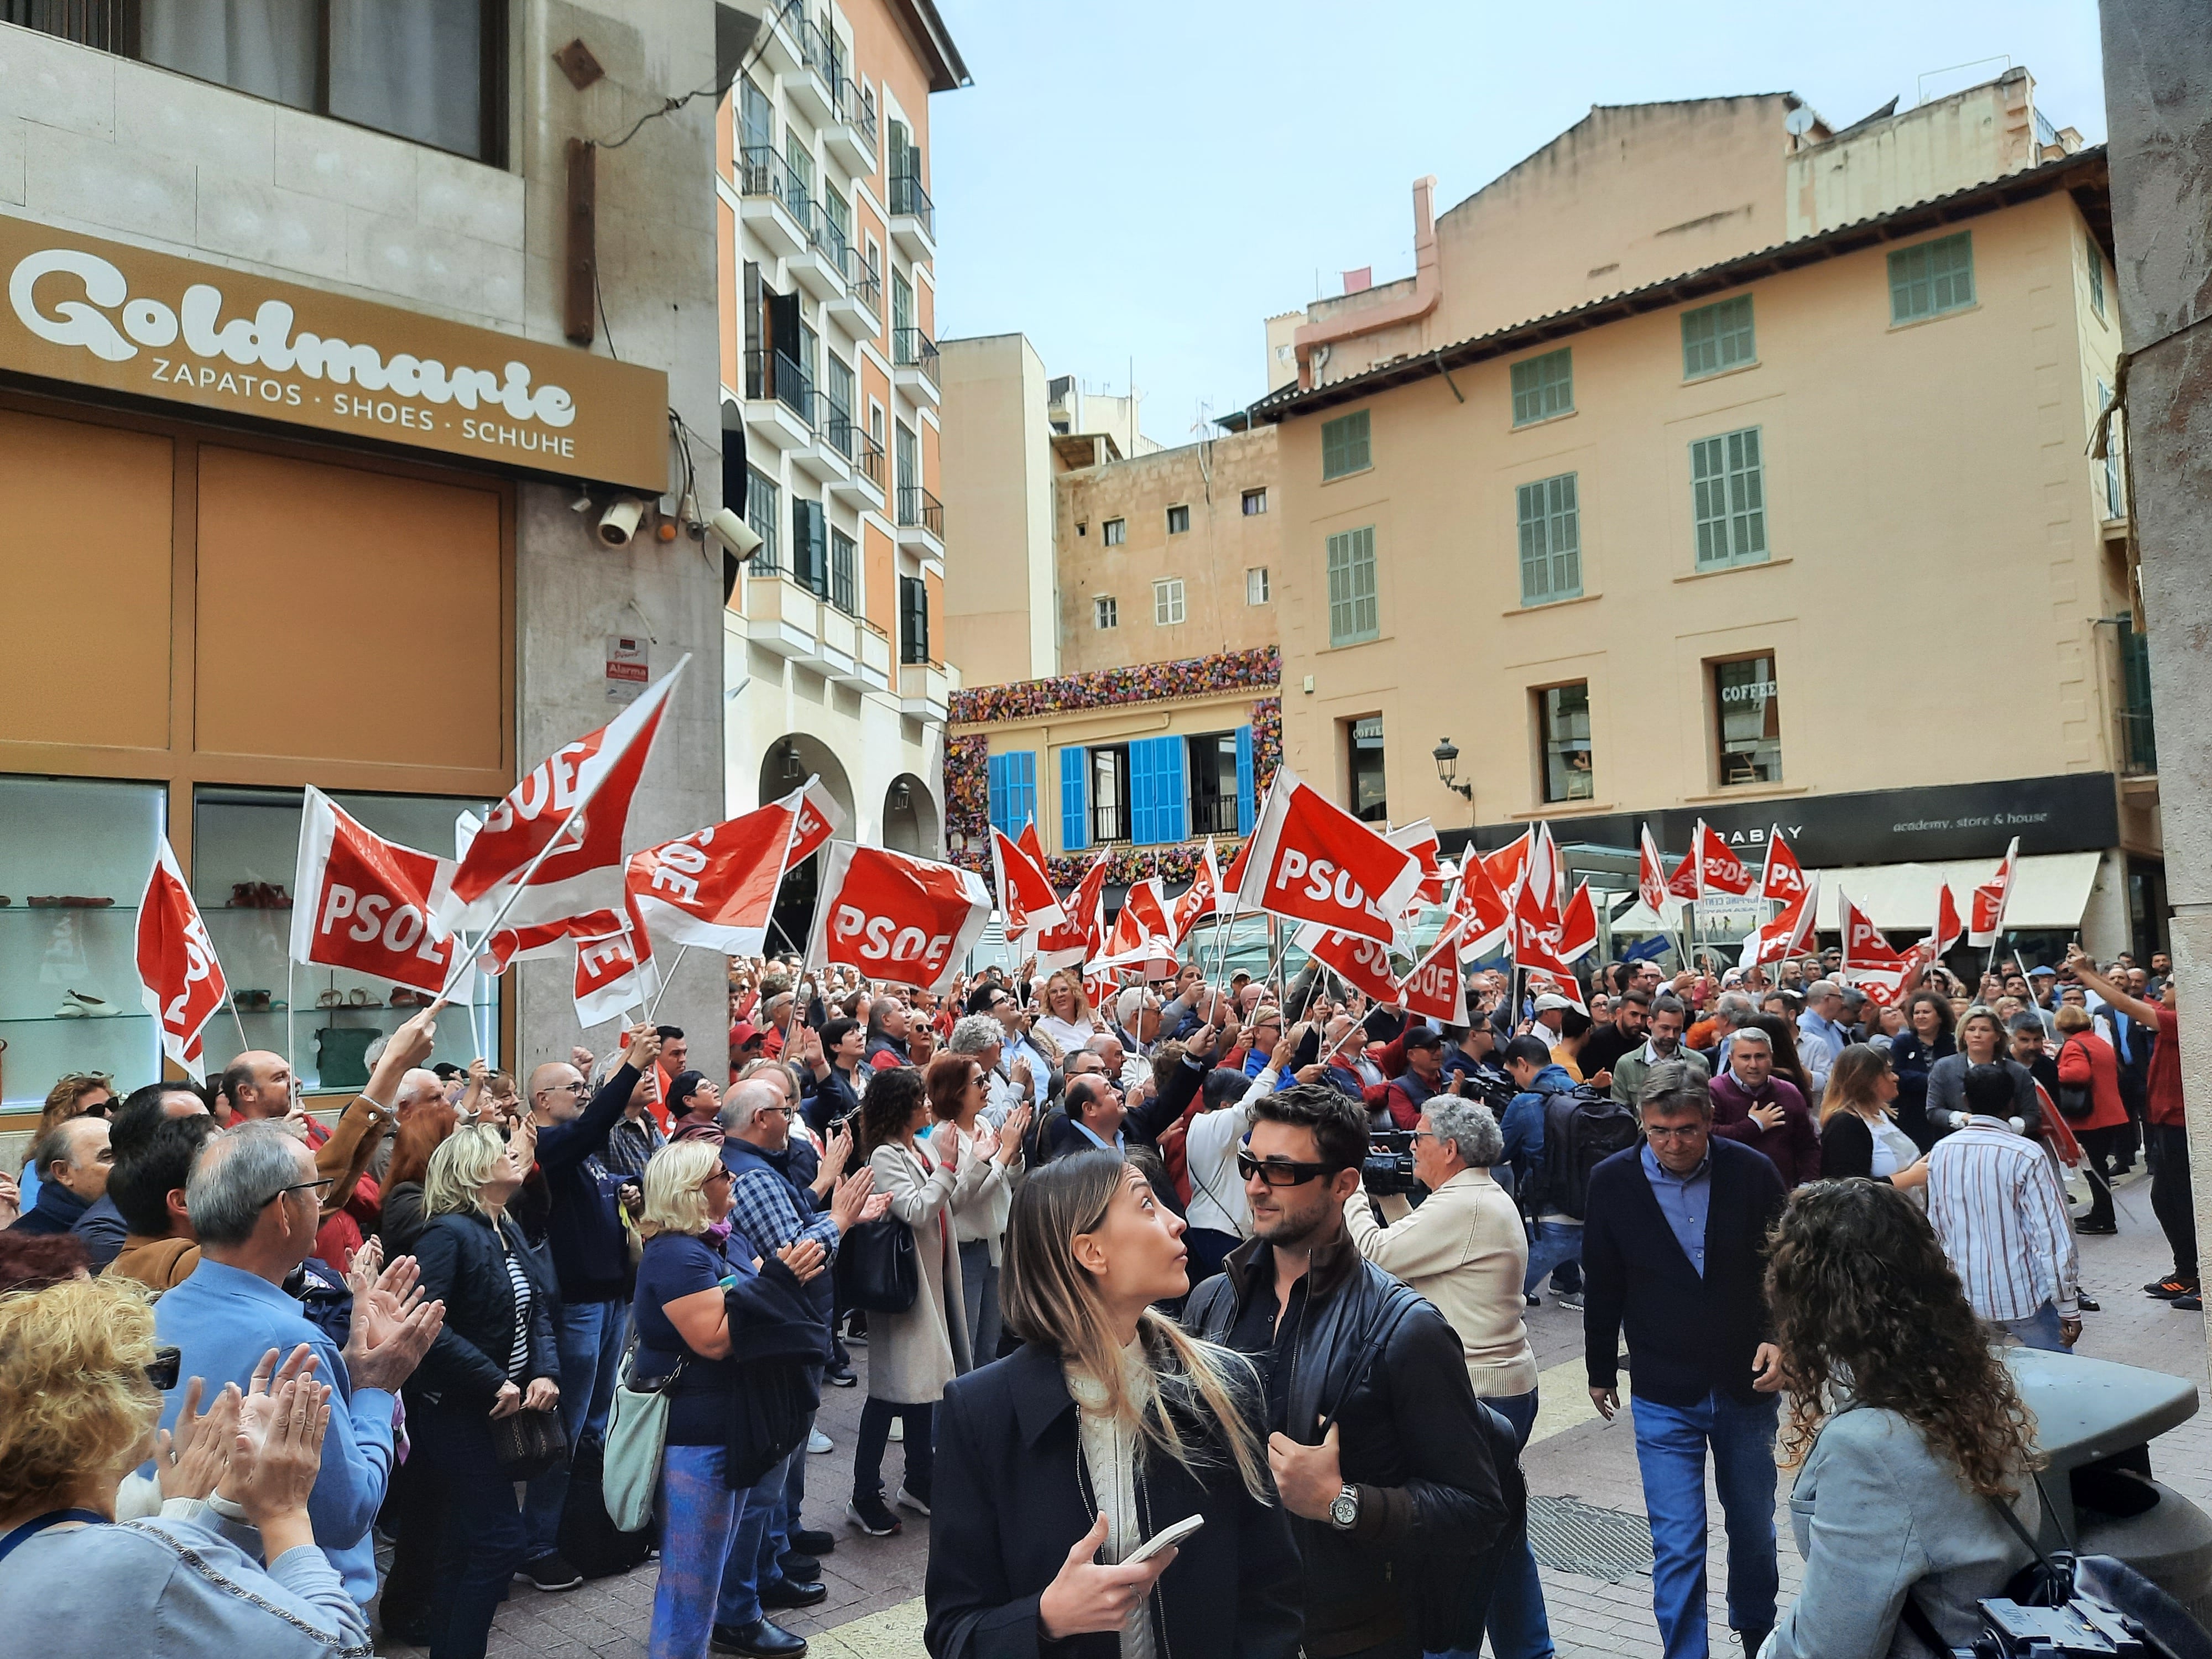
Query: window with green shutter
x=1728 y=482
x=1932 y=278
x=1351 y=610
x=1344 y=446
x=1550 y=540
x=2096 y=278
x=1544 y=386
x=1717 y=336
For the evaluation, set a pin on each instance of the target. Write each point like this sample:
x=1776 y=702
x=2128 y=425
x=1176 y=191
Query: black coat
x=1427 y=1455
x=463 y=1266
x=779 y=1346
x=1008 y=1503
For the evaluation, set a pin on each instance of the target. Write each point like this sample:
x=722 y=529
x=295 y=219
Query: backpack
x=1582 y=1129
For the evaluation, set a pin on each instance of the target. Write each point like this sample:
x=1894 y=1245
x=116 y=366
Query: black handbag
x=527 y=1444
x=878 y=1269
x=2075 y=1099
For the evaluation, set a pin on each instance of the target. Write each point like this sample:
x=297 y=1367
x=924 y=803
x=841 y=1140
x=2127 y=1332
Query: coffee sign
x=98 y=314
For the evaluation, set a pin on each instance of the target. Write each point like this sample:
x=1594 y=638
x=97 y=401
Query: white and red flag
x=1949 y=930
x=553 y=846
x=1140 y=935
x=1479 y=901
x=1362 y=962
x=1650 y=874
x=1788 y=933
x=716 y=887
x=1436 y=988
x=364 y=903
x=1198 y=901
x=894 y=916
x=1719 y=870
x=614 y=969
x=178 y=977
x=1783 y=878
x=1683 y=883
x=1027 y=902
x=1990 y=899
x=1420 y=838
x=1536 y=933
x=1313 y=861
x=1079 y=934
x=1509 y=863
x=1869 y=961
x=1578 y=925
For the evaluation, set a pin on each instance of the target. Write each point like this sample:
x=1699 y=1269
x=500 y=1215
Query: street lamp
x=1446 y=755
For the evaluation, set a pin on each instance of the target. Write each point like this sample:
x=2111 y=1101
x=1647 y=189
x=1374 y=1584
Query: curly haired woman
x=1906 y=1424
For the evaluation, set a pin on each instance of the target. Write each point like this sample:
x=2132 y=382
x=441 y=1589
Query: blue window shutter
x=1074 y=799
x=1145 y=791
x=998 y=792
x=1175 y=789
x=1247 y=806
x=1021 y=789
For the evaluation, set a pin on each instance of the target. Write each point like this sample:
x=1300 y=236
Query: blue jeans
x=1555 y=1244
x=589 y=1335
x=2039 y=1330
x=750 y=1563
x=700 y=1517
x=1670 y=1451
x=481 y=1541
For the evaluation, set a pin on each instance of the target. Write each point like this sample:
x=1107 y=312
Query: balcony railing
x=819 y=45
x=2138 y=743
x=761 y=171
x=907 y=196
x=916 y=506
x=841 y=590
x=835 y=422
x=866 y=283
x=1213 y=815
x=868 y=456
x=1108 y=823
x=823 y=233
x=856 y=108
x=773 y=375
x=912 y=349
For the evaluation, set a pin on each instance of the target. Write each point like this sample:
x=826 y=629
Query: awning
x=2050 y=891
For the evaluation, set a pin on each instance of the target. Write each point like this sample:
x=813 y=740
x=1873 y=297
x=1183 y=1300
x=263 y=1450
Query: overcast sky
x=1150 y=180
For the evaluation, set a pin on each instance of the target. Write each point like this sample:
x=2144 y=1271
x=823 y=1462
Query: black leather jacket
x=463 y=1266
x=1439 y=1489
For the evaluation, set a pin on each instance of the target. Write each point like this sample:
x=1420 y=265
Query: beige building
x=1756 y=491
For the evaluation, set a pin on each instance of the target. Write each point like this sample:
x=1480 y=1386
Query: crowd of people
x=1257 y=1254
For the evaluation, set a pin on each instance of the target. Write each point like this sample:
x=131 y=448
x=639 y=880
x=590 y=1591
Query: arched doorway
x=910 y=820
x=787 y=764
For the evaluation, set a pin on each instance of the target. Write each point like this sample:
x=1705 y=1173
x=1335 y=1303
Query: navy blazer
x=1688 y=1336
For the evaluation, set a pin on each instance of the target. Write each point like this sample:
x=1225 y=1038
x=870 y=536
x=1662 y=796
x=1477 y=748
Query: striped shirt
x=1994 y=1202
x=517 y=1361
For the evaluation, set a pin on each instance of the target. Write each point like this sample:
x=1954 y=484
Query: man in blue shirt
x=254 y=1197
x=1821 y=1039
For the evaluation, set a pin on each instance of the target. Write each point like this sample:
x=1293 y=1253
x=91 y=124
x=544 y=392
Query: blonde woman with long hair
x=1067 y=1019
x=1055 y=1464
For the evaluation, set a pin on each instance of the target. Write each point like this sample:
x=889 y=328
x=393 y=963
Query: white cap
x=1550 y=1000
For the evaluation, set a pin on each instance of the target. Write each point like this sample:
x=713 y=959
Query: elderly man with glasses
x=1673 y=1250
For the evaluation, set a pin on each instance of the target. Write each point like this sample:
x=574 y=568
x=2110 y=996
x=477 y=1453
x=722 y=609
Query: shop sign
x=98 y=314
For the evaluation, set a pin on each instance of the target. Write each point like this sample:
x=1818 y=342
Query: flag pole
x=238 y=1020
x=290 y=1064
x=653 y=1008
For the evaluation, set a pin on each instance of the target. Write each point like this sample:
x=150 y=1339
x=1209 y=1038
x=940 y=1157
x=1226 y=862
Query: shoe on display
x=817 y=1442
x=794 y=1593
x=331 y=999
x=551 y=1573
x=872 y=1515
x=358 y=997
x=762 y=1639
x=812 y=1540
x=907 y=1500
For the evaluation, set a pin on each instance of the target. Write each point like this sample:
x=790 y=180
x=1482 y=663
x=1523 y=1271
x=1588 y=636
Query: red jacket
x=2086 y=1059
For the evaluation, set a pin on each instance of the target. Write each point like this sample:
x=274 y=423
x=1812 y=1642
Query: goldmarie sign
x=98 y=313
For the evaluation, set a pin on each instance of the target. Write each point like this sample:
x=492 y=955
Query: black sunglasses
x=162 y=1372
x=1277 y=1172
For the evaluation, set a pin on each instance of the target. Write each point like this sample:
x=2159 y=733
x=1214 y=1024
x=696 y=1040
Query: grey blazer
x=1875 y=1514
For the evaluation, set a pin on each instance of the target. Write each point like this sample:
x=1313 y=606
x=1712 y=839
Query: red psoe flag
x=1783 y=878
x=1420 y=838
x=1537 y=932
x=615 y=973
x=1069 y=944
x=716 y=887
x=1139 y=935
x=893 y=916
x=1949 y=930
x=1869 y=961
x=178 y=977
x=1480 y=903
x=1026 y=900
x=818 y=817
x=1509 y=863
x=1719 y=870
x=1578 y=925
x=1436 y=989
x=1313 y=861
x=1990 y=899
x=1650 y=874
x=580 y=794
x=1196 y=902
x=1362 y=962
x=364 y=903
x=1788 y=934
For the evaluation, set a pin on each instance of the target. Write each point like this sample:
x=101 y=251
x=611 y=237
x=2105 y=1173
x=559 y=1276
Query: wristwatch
x=1344 y=1509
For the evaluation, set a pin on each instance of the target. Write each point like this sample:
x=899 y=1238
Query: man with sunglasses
x=1401 y=1485
x=1674 y=1249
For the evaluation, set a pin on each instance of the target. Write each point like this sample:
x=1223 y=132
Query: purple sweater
x=1794 y=1145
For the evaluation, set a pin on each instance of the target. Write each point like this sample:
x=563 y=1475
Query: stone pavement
x=874 y=1610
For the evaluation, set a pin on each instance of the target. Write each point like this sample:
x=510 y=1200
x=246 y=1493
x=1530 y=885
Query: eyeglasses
x=316 y=1187
x=718 y=1175
x=1277 y=1172
x=563 y=1089
x=1682 y=1132
x=773 y=1111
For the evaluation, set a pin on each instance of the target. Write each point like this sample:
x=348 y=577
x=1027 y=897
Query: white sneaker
x=898 y=1429
x=817 y=1442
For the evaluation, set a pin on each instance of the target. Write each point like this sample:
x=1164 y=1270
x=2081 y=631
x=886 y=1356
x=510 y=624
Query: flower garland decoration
x=1259 y=669
x=1267 y=744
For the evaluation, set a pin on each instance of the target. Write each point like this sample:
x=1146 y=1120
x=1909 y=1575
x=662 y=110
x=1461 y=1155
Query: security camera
x=619 y=522
x=734 y=534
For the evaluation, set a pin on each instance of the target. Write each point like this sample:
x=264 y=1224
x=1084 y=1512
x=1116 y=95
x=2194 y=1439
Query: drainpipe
x=1428 y=288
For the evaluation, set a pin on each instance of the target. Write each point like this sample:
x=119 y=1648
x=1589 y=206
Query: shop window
x=246 y=845
x=1563 y=717
x=1369 y=799
x=1747 y=712
x=73 y=859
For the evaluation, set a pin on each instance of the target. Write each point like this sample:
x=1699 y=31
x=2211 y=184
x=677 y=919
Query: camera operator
x=1464 y=1249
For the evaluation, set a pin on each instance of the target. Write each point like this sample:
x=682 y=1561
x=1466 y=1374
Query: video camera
x=1388 y=1171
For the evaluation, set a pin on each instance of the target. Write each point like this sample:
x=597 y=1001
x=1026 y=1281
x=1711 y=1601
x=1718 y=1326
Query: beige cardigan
x=1463 y=1249
x=912 y=1355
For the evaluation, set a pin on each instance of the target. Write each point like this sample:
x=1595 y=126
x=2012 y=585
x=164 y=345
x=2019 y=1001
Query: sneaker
x=817 y=1442
x=1571 y=1300
x=812 y=1540
x=840 y=1377
x=1532 y=1299
x=2170 y=1288
x=2192 y=1303
x=898 y=1431
x=788 y=1592
x=907 y=1500
x=551 y=1573
x=762 y=1639
x=872 y=1515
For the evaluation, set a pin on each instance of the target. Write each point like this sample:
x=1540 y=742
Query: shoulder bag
x=2076 y=1099
x=878 y=1269
x=636 y=1441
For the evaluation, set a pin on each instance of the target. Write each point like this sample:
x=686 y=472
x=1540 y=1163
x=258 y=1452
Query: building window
x=1370 y=800
x=1256 y=585
x=2096 y=278
x=1105 y=611
x=1717 y=336
x=1932 y=278
x=1011 y=777
x=842 y=562
x=1115 y=532
x=1544 y=386
x=2116 y=500
x=902 y=307
x=763 y=514
x=1550 y=540
x=1167 y=603
x=1344 y=446
x=1351 y=608
x=1213 y=793
x=913 y=620
x=1178 y=520
x=1109 y=792
x=756 y=117
x=809 y=547
x=1256 y=502
x=1748 y=709
x=1728 y=484
x=1563 y=717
